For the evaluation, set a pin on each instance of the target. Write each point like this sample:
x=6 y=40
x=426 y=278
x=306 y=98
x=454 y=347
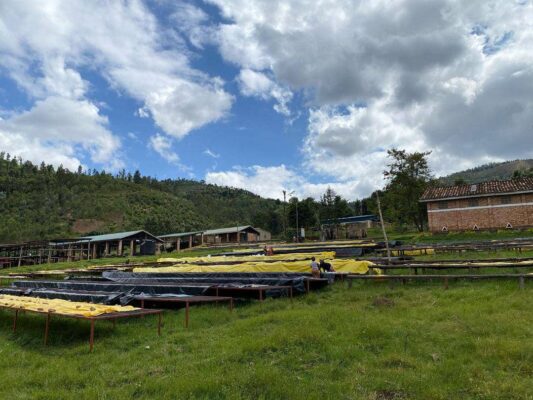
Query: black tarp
x=296 y=281
x=148 y=288
x=136 y=289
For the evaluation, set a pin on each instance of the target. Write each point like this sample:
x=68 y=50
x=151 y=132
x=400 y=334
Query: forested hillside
x=492 y=171
x=39 y=202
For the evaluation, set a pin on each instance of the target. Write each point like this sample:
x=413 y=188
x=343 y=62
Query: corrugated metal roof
x=116 y=236
x=233 y=229
x=181 y=234
x=479 y=189
x=353 y=219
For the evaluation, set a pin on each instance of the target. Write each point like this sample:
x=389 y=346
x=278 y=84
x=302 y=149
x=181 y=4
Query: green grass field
x=371 y=341
x=473 y=341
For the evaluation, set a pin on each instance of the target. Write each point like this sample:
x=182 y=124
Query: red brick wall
x=484 y=218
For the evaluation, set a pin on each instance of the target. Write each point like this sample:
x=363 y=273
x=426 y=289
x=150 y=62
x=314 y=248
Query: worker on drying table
x=315 y=270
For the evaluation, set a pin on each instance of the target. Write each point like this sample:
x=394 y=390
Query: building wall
x=230 y=238
x=493 y=212
x=263 y=235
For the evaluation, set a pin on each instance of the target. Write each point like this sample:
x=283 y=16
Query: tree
x=523 y=173
x=408 y=175
x=137 y=177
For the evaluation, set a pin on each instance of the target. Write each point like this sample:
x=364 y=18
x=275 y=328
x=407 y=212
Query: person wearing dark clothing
x=325 y=266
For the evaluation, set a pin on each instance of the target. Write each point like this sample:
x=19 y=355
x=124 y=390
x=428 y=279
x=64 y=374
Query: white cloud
x=211 y=154
x=56 y=129
x=193 y=22
x=46 y=46
x=271 y=181
x=257 y=84
x=163 y=146
x=452 y=77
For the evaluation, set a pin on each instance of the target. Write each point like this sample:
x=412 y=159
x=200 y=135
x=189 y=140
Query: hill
x=487 y=172
x=39 y=202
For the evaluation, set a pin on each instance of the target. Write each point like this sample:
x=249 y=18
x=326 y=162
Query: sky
x=266 y=95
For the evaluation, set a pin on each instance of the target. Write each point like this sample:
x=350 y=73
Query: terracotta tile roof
x=479 y=189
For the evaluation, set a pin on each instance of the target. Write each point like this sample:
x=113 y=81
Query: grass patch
x=472 y=341
x=414 y=237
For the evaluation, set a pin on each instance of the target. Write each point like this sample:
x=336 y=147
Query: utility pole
x=383 y=228
x=285 y=214
x=297 y=230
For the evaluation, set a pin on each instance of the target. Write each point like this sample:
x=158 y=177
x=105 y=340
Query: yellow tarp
x=279 y=257
x=64 y=307
x=344 y=266
x=415 y=252
x=313 y=245
x=310 y=244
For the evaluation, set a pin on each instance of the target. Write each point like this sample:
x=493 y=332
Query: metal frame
x=187 y=301
x=260 y=290
x=109 y=317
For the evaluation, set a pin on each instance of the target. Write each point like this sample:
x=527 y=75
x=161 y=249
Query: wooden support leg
x=307 y=287
x=91 y=337
x=159 y=325
x=446 y=283
x=261 y=295
x=231 y=305
x=521 y=282
x=186 y=314
x=350 y=283
x=46 y=328
x=15 y=320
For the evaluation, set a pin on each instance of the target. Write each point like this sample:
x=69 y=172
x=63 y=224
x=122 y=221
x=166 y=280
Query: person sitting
x=315 y=270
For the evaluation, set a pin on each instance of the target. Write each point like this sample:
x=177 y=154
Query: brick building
x=487 y=205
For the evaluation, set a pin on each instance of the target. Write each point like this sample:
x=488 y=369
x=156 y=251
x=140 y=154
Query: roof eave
x=474 y=195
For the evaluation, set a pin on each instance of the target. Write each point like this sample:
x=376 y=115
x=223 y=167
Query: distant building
x=347 y=227
x=235 y=234
x=183 y=240
x=264 y=235
x=487 y=205
x=136 y=242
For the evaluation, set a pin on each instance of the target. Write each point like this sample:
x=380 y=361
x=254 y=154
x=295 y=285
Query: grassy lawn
x=413 y=237
x=473 y=341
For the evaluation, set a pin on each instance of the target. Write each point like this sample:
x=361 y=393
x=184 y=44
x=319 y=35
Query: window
x=443 y=205
x=506 y=200
x=473 y=203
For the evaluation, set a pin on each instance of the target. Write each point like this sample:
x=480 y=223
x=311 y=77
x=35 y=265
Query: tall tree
x=408 y=175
